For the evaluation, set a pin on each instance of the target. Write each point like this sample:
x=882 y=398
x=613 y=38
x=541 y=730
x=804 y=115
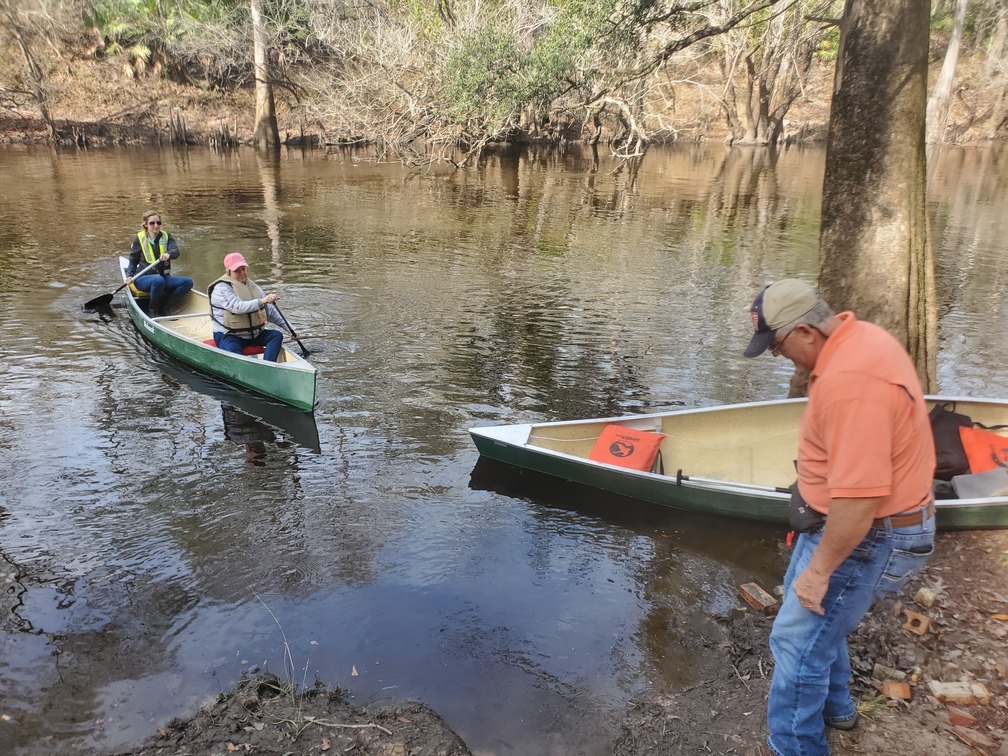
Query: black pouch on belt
x=803 y=518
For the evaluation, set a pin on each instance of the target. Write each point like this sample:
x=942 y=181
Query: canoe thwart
x=680 y=478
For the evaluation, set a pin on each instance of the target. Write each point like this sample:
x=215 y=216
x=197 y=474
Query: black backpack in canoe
x=950 y=456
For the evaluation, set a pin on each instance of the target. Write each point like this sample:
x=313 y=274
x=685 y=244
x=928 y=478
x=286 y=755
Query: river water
x=161 y=533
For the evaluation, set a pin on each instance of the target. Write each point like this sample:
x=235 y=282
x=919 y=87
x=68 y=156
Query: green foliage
x=980 y=22
x=943 y=16
x=829 y=45
x=421 y=15
x=828 y=30
x=491 y=79
x=189 y=36
x=495 y=73
x=597 y=30
x=481 y=78
x=130 y=20
x=122 y=23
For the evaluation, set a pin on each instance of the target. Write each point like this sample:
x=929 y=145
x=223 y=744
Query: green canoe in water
x=185 y=335
x=733 y=461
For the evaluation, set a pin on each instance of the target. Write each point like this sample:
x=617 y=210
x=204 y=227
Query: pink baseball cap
x=233 y=261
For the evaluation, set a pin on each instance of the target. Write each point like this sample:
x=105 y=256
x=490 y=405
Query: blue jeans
x=271 y=340
x=812 y=669
x=175 y=287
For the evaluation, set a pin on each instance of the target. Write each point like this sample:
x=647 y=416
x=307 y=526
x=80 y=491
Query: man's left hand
x=810 y=587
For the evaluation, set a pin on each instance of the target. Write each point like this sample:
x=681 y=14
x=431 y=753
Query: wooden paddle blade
x=99 y=303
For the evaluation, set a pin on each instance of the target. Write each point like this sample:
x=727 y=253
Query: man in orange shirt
x=865 y=463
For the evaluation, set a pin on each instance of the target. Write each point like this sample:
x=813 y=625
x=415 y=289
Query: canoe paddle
x=102 y=302
x=304 y=349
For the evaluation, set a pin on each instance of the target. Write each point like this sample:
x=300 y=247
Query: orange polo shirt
x=865 y=432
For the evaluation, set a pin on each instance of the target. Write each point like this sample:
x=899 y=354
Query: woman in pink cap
x=240 y=310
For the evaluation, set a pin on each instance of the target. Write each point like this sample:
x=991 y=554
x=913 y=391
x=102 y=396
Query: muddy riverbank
x=964 y=641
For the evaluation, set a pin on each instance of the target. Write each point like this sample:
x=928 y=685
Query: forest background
x=426 y=81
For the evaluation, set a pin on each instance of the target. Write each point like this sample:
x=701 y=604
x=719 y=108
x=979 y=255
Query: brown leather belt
x=906 y=520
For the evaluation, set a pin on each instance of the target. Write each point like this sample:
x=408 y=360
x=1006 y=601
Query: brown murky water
x=160 y=533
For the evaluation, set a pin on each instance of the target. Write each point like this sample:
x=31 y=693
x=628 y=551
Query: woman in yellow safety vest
x=154 y=244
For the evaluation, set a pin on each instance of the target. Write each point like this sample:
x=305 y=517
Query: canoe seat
x=247 y=351
x=136 y=292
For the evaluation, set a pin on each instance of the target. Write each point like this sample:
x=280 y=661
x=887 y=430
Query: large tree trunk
x=266 y=134
x=938 y=104
x=875 y=255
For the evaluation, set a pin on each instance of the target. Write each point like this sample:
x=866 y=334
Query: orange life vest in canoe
x=984 y=449
x=626 y=447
